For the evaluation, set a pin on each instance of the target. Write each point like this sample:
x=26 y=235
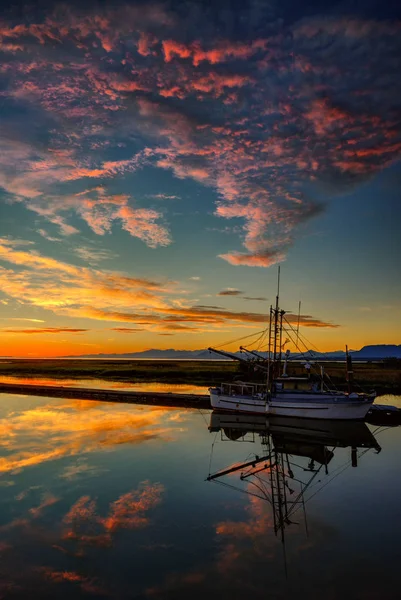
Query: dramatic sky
x=158 y=160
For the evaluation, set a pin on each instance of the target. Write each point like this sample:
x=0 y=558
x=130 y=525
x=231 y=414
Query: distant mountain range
x=377 y=352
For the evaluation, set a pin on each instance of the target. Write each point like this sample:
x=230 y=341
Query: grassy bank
x=384 y=377
x=168 y=371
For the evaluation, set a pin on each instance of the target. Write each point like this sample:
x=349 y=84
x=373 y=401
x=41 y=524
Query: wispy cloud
x=73 y=291
x=230 y=292
x=94 y=255
x=22 y=319
x=44 y=330
x=259 y=298
x=126 y=329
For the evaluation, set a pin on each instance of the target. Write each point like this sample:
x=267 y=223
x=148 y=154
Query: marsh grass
x=384 y=376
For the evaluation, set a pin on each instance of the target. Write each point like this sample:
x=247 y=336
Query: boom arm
x=253 y=352
x=227 y=354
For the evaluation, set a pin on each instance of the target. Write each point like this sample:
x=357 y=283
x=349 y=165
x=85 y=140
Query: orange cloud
x=126 y=329
x=130 y=510
x=197 y=314
x=84 y=526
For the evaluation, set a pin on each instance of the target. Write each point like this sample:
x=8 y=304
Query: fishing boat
x=281 y=395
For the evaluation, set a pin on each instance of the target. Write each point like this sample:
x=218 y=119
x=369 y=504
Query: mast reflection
x=294 y=463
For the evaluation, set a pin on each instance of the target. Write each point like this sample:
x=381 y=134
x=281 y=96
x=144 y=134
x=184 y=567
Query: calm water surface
x=105 y=500
x=104 y=384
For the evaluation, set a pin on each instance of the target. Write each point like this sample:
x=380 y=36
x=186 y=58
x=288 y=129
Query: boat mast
x=276 y=317
x=275 y=328
x=299 y=317
x=350 y=372
x=269 y=350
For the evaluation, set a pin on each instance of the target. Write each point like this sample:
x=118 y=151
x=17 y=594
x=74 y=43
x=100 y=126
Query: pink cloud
x=266 y=259
x=222 y=52
x=255 y=120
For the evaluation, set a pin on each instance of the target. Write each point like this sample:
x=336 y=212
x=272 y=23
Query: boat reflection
x=294 y=463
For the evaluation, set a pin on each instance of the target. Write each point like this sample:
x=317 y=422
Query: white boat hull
x=306 y=406
x=243 y=404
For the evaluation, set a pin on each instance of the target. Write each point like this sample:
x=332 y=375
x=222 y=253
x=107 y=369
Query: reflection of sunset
x=81 y=527
x=77 y=428
x=153 y=386
x=242 y=544
x=255 y=528
x=82 y=523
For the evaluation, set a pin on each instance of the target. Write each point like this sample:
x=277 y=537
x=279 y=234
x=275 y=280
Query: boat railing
x=243 y=389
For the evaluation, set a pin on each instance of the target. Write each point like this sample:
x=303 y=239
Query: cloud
x=44 y=330
x=83 y=525
x=258 y=117
x=262 y=259
x=56 y=285
x=201 y=315
x=230 y=292
x=94 y=255
x=164 y=197
x=260 y=298
x=80 y=469
x=22 y=319
x=126 y=329
x=221 y=52
x=47 y=500
x=85 y=292
x=75 y=429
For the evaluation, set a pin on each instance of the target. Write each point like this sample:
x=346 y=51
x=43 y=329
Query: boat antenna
x=278 y=287
x=299 y=316
x=350 y=372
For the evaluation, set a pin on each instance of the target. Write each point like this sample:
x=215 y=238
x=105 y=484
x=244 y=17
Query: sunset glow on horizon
x=158 y=160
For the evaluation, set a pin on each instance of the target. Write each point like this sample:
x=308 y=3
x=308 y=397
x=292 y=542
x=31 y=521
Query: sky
x=159 y=160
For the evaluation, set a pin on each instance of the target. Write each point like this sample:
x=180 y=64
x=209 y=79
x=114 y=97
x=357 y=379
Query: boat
x=281 y=395
x=311 y=432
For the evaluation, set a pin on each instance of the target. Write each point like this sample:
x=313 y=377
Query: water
x=104 y=500
x=104 y=384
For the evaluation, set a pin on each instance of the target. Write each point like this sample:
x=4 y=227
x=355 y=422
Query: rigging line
x=301 y=335
x=329 y=481
x=312 y=367
x=382 y=429
x=233 y=487
x=262 y=341
x=347 y=465
x=263 y=333
x=211 y=452
x=203 y=415
x=297 y=347
x=264 y=485
x=241 y=338
x=260 y=488
x=299 y=339
x=302 y=338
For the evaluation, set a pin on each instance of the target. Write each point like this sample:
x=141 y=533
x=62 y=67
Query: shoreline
x=384 y=378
